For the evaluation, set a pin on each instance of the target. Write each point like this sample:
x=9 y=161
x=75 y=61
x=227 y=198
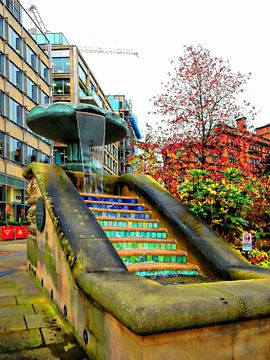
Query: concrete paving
x=31 y=328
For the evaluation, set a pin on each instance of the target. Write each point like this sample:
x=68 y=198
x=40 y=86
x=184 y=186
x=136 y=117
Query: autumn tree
x=198 y=107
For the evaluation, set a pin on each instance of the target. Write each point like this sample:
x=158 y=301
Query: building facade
x=127 y=147
x=73 y=81
x=25 y=81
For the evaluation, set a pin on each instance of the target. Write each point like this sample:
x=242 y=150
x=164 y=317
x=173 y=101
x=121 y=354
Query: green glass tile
x=147 y=234
x=184 y=259
x=150 y=225
x=152 y=245
x=166 y=272
x=134 y=245
x=167 y=258
x=159 y=235
x=155 y=226
x=129 y=245
x=155 y=258
x=164 y=235
x=135 y=224
x=173 y=246
x=154 y=234
x=149 y=258
x=161 y=258
x=163 y=246
x=145 y=245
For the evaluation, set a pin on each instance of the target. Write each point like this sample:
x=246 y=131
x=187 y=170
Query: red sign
x=20 y=232
x=7 y=233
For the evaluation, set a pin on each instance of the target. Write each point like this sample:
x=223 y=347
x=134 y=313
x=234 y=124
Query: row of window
x=22 y=81
x=13 y=110
x=14 y=7
x=13 y=149
x=17 y=43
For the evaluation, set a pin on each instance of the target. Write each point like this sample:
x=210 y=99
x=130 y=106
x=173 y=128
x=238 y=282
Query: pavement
x=31 y=328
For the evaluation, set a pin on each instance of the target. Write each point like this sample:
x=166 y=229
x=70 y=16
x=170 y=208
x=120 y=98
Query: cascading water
x=91 y=145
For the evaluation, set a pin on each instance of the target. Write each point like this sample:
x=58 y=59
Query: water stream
x=91 y=141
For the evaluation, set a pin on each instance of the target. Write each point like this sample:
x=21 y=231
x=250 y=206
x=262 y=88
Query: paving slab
x=31 y=327
x=19 y=340
x=12 y=323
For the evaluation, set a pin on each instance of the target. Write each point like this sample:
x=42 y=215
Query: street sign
x=247 y=242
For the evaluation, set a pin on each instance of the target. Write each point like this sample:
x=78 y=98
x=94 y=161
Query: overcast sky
x=236 y=30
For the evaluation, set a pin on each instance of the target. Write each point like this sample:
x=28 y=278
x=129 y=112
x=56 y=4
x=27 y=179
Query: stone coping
x=142 y=305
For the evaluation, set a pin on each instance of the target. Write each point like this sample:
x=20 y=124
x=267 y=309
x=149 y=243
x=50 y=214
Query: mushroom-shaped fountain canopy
x=58 y=122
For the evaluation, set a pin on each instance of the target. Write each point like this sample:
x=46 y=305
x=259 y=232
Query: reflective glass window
x=2 y=103
x=14 y=40
x=15 y=150
x=44 y=98
x=61 y=87
x=82 y=75
x=44 y=72
x=30 y=155
x=31 y=57
x=61 y=64
x=44 y=158
x=31 y=89
x=15 y=75
x=1 y=26
x=2 y=145
x=15 y=112
x=2 y=64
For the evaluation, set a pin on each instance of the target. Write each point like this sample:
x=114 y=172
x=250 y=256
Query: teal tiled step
x=109 y=198
x=155 y=256
x=143 y=243
x=138 y=233
x=128 y=223
x=115 y=214
x=169 y=273
x=113 y=205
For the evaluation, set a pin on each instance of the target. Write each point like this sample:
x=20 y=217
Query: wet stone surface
x=30 y=326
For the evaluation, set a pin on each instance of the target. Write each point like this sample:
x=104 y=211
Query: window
x=61 y=87
x=15 y=112
x=83 y=92
x=44 y=98
x=31 y=89
x=2 y=64
x=15 y=75
x=44 y=158
x=14 y=40
x=2 y=103
x=44 y=72
x=61 y=64
x=1 y=26
x=82 y=75
x=231 y=158
x=30 y=155
x=2 y=144
x=31 y=57
x=14 y=150
x=15 y=8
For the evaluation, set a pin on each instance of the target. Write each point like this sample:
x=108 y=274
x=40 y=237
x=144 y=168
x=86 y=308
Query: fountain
x=116 y=314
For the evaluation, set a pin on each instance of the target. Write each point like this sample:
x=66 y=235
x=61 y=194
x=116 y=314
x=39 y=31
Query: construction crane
x=33 y=9
x=86 y=49
x=100 y=50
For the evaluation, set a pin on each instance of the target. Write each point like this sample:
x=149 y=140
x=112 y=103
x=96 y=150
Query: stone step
x=127 y=214
x=114 y=205
x=155 y=256
x=122 y=222
x=110 y=198
x=163 y=269
x=143 y=243
x=133 y=233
